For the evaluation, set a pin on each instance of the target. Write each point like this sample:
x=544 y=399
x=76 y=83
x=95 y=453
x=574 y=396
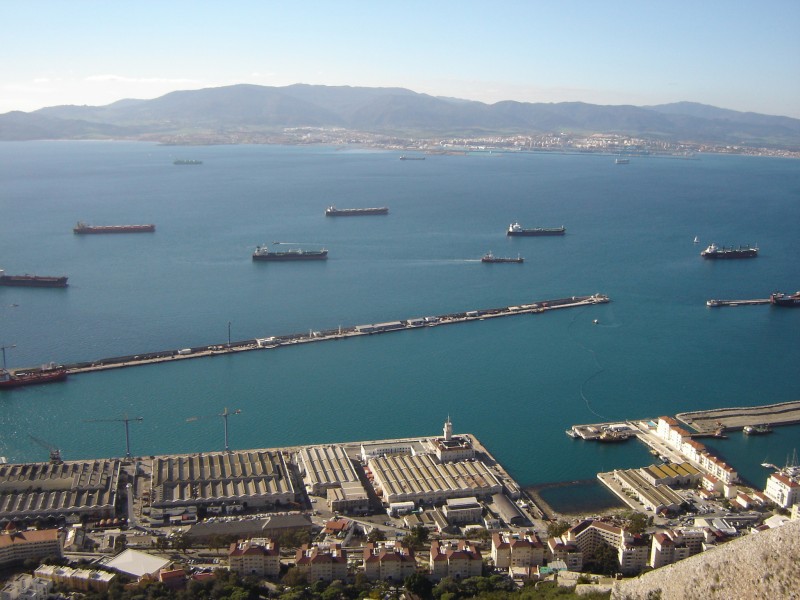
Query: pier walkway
x=272 y=342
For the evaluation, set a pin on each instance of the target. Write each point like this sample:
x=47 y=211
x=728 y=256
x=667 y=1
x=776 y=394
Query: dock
x=274 y=342
x=717 y=303
x=732 y=419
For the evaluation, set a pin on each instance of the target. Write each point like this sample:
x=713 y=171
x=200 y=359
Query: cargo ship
x=264 y=253
x=517 y=229
x=714 y=251
x=332 y=211
x=404 y=157
x=781 y=299
x=181 y=161
x=491 y=258
x=45 y=374
x=82 y=228
x=32 y=280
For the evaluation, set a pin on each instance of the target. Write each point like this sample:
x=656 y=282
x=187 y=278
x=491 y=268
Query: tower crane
x=55 y=453
x=125 y=419
x=224 y=414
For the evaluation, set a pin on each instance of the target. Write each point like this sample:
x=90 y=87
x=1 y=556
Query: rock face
x=762 y=565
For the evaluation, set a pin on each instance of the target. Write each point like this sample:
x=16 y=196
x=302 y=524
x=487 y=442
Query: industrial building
x=421 y=479
x=655 y=498
x=249 y=478
x=451 y=447
x=57 y=490
x=327 y=470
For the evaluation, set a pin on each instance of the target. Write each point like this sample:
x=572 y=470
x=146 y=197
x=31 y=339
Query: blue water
x=516 y=383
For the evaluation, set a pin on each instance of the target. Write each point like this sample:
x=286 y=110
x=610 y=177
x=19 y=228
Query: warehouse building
x=57 y=490
x=249 y=478
x=328 y=471
x=422 y=479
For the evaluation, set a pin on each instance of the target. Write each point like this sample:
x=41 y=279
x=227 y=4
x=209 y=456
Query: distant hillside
x=393 y=111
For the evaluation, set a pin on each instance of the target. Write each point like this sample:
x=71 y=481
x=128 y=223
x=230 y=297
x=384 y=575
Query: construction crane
x=55 y=453
x=125 y=419
x=225 y=414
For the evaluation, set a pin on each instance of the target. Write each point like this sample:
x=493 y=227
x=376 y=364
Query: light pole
x=229 y=334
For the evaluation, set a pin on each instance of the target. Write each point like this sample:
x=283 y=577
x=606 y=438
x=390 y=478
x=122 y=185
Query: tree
x=417 y=536
x=376 y=535
x=419 y=585
x=557 y=528
x=638 y=523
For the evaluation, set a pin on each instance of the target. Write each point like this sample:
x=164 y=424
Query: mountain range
x=389 y=111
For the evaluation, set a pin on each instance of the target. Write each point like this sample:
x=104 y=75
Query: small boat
x=621 y=161
x=757 y=429
x=696 y=240
x=491 y=258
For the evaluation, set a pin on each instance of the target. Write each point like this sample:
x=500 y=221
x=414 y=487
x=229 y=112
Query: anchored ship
x=31 y=280
x=491 y=258
x=714 y=251
x=517 y=229
x=264 y=253
x=404 y=157
x=44 y=374
x=82 y=228
x=332 y=211
x=781 y=299
x=181 y=161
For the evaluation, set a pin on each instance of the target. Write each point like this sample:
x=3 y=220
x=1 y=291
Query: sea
x=516 y=383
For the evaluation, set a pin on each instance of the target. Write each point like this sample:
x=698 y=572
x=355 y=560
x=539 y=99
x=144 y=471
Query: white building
x=783 y=490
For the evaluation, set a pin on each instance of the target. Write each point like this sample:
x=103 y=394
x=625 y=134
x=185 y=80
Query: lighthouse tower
x=448 y=429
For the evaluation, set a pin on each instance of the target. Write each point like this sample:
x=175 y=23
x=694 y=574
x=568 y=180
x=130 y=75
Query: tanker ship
x=83 y=228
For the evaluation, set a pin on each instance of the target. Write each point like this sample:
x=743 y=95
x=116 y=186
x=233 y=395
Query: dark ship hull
x=33 y=281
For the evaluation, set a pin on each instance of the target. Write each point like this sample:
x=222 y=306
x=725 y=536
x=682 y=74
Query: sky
x=741 y=55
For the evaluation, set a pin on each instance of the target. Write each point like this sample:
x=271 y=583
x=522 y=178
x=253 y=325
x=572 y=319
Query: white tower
x=448 y=429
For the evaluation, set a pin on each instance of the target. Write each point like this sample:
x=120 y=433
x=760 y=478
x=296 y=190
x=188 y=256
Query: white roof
x=133 y=562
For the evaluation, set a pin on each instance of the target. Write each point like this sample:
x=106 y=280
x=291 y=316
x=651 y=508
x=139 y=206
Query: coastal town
x=554 y=142
x=424 y=513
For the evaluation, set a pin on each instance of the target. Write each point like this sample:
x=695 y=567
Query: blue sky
x=732 y=54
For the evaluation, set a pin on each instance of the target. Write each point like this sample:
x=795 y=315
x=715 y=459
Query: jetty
x=732 y=419
x=278 y=341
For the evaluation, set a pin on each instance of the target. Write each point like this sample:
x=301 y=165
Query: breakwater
x=272 y=342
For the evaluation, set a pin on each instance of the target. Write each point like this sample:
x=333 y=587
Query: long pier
x=146 y=358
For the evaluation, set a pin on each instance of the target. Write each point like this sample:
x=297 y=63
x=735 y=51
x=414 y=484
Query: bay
x=516 y=383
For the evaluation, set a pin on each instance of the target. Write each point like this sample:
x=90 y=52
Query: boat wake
x=599 y=369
